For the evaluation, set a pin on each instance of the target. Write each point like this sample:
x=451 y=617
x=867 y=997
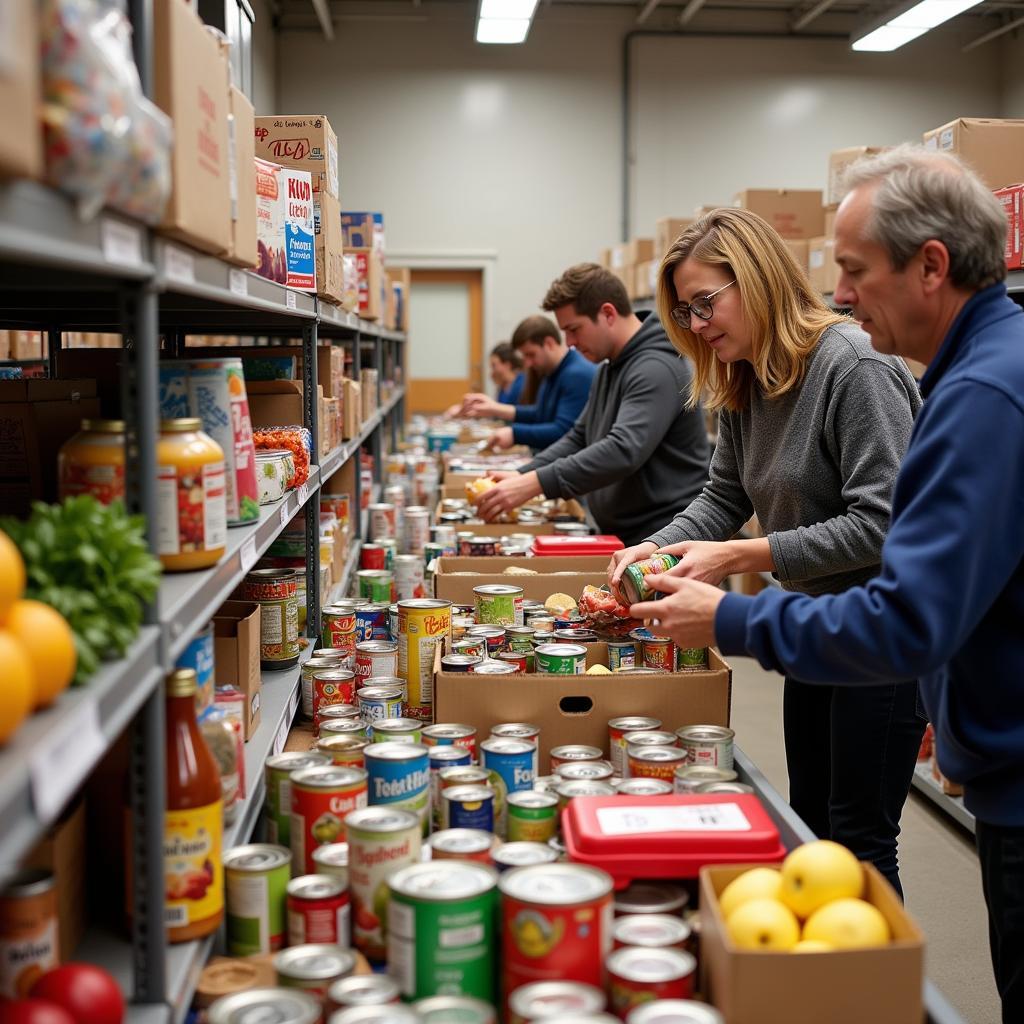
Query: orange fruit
x=12 y=574
x=17 y=691
x=49 y=644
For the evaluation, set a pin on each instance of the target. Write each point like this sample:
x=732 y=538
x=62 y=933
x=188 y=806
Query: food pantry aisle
x=938 y=864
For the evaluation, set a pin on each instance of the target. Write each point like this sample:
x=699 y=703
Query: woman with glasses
x=813 y=424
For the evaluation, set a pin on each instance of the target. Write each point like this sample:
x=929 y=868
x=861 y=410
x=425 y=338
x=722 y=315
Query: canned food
x=642 y=787
x=621 y=655
x=451 y=734
x=575 y=636
x=339 y=627
x=395 y=730
x=495 y=668
x=725 y=787
x=516 y=659
x=463 y=775
x=493 y=636
x=543 y=623
x=424 y=625
x=283 y=1006
x=573 y=752
x=567 y=791
x=461 y=844
x=460 y=662
x=28 y=931
x=276 y=592
x=383 y=520
x=654 y=762
x=376 y=658
x=455 y=1010
x=321 y=799
x=373 y=556
x=346 y=659
x=376 y=702
x=690 y=777
x=532 y=816
x=545 y=783
x=338 y=713
x=480 y=547
x=522 y=854
x=707 y=744
x=654 y=931
x=633 y=584
x=380 y=840
x=523 y=731
x=279 y=770
x=648 y=738
x=314 y=663
x=692 y=659
x=499 y=604
x=556 y=924
x=332 y=860
x=416 y=520
x=346 y=751
x=468 y=807
x=363 y=990
x=648 y=897
x=340 y=504
x=313 y=968
x=410 y=577
x=318 y=911
x=198 y=656
x=353 y=727
x=588 y=771
x=509 y=765
x=617 y=731
x=255 y=883
x=558 y=846
x=675 y=1011
x=561 y=659
x=331 y=686
x=441 y=929
x=638 y=975
x=399 y=775
x=553 y=1000
x=659 y=652
x=372 y=624
x=472 y=647
x=391 y=682
x=375 y=584
x=440 y=758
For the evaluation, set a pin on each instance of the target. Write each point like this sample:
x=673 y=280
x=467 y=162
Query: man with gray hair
x=920 y=242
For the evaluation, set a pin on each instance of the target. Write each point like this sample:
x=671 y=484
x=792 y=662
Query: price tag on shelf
x=248 y=554
x=122 y=243
x=179 y=265
x=289 y=298
x=285 y=514
x=64 y=756
x=238 y=283
x=286 y=723
x=303 y=494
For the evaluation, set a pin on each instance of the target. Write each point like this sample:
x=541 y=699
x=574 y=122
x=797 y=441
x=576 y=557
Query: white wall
x=264 y=59
x=1012 y=64
x=517 y=149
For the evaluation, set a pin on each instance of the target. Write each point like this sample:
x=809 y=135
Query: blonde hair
x=785 y=315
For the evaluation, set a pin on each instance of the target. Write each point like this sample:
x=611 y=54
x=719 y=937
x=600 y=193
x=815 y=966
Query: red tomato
x=34 y=1011
x=88 y=993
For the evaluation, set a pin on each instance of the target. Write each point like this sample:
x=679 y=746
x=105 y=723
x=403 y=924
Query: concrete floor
x=938 y=863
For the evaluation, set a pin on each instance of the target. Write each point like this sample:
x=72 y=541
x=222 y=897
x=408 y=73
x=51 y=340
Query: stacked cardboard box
x=626 y=258
x=993 y=147
x=399 y=286
x=21 y=149
x=363 y=234
x=794 y=213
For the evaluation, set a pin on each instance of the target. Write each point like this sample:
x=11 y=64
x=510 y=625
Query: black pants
x=1001 y=852
x=851 y=752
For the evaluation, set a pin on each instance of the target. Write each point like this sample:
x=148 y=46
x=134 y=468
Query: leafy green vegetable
x=90 y=562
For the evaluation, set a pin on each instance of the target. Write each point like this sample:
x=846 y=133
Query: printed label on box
x=299 y=230
x=270 y=216
x=637 y=819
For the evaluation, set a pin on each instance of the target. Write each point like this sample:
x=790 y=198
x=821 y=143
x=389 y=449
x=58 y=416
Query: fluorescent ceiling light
x=507 y=8
x=912 y=23
x=502 y=30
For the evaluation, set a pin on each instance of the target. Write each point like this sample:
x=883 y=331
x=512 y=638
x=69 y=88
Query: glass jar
x=92 y=462
x=191 y=497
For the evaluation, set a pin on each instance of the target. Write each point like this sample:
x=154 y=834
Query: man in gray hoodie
x=635 y=451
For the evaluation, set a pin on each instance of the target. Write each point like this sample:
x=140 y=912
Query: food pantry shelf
x=342 y=588
x=925 y=784
x=54 y=751
x=334 y=460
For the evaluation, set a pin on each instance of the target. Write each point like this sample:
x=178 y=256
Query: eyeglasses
x=701 y=308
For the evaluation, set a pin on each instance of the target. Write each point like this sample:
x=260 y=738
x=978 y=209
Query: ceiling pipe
x=647 y=11
x=994 y=34
x=689 y=11
x=323 y=15
x=808 y=16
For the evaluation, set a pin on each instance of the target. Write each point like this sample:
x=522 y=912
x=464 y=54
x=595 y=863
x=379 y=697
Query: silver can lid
x=315 y=962
x=650 y=930
x=331 y=855
x=675 y=1011
x=455 y=1010
x=363 y=990
x=556 y=884
x=443 y=881
x=315 y=887
x=642 y=787
x=523 y=854
x=256 y=857
x=651 y=898
x=380 y=820
x=461 y=840
x=265 y=1006
x=548 y=1000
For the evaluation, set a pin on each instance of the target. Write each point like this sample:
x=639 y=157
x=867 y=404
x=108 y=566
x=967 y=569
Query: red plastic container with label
x=671 y=836
x=564 y=547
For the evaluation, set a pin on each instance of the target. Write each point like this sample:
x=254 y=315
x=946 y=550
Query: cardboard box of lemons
x=534 y=934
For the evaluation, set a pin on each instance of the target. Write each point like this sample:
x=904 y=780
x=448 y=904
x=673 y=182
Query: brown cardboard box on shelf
x=398 y=302
x=750 y=987
x=21 y=149
x=5 y=344
x=563 y=576
x=368 y=387
x=794 y=213
x=618 y=259
x=243 y=181
x=822 y=267
x=604 y=258
x=576 y=709
x=328 y=367
x=639 y=250
x=350 y=277
x=993 y=147
x=36 y=418
x=830 y=222
x=26 y=345
x=306 y=142
x=370 y=267
x=838 y=161
x=666 y=231
x=236 y=657
x=330 y=268
x=277 y=403
x=352 y=407
x=191 y=86
x=798 y=247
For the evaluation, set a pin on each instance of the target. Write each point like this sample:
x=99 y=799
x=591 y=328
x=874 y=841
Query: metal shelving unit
x=932 y=790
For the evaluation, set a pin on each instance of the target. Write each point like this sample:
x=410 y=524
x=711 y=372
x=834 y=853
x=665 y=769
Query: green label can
x=279 y=770
x=255 y=879
x=442 y=934
x=633 y=584
x=692 y=659
x=562 y=659
x=499 y=604
x=375 y=585
x=532 y=816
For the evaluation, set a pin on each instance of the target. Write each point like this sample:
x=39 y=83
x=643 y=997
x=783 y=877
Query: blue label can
x=621 y=654
x=443 y=757
x=510 y=768
x=398 y=775
x=469 y=807
x=198 y=656
x=372 y=623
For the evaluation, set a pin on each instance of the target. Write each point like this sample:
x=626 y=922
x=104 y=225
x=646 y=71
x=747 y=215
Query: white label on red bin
x=624 y=821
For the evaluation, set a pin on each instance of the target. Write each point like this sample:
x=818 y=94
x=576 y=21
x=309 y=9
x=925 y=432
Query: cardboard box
x=26 y=345
x=749 y=987
x=330 y=362
x=352 y=407
x=276 y=403
x=618 y=257
x=370 y=267
x=363 y=230
x=368 y=386
x=576 y=709
x=993 y=148
x=350 y=274
x=402 y=277
x=1012 y=201
x=794 y=213
x=236 y=656
x=830 y=222
x=306 y=142
x=838 y=161
x=798 y=247
x=272 y=257
x=666 y=231
x=21 y=141
x=330 y=269
x=645 y=279
x=561 y=576
x=191 y=86
x=604 y=258
x=639 y=250
x=241 y=152
x=822 y=268
x=5 y=344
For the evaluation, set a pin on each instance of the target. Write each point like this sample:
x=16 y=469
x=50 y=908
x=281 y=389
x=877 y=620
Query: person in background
x=813 y=425
x=920 y=243
x=565 y=379
x=636 y=451
x=507 y=373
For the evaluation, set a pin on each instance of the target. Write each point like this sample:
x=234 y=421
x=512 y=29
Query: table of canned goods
x=793 y=832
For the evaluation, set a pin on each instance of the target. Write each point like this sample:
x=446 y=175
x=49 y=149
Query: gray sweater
x=635 y=451
x=817 y=466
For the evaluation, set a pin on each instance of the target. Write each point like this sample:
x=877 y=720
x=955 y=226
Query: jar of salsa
x=92 y=462
x=191 y=497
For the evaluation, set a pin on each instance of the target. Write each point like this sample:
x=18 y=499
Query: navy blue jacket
x=560 y=399
x=510 y=395
x=948 y=604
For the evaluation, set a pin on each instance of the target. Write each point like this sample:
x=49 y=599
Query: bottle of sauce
x=193 y=825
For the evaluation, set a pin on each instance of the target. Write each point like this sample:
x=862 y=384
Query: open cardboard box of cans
x=554 y=576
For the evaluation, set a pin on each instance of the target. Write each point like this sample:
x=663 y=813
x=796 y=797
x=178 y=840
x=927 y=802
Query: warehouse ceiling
x=980 y=26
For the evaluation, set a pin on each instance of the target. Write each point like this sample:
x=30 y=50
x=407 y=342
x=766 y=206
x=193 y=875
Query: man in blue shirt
x=564 y=387
x=920 y=243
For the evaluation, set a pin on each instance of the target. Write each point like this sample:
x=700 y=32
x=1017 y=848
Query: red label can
x=638 y=975
x=322 y=797
x=513 y=658
x=376 y=658
x=654 y=762
x=373 y=556
x=659 y=653
x=318 y=911
x=331 y=686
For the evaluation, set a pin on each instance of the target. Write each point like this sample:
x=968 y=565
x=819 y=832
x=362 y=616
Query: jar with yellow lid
x=191 y=497
x=92 y=462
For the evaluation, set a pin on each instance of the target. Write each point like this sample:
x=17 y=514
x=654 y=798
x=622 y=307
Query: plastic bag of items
x=106 y=143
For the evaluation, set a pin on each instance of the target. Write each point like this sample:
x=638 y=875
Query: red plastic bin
x=559 y=546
